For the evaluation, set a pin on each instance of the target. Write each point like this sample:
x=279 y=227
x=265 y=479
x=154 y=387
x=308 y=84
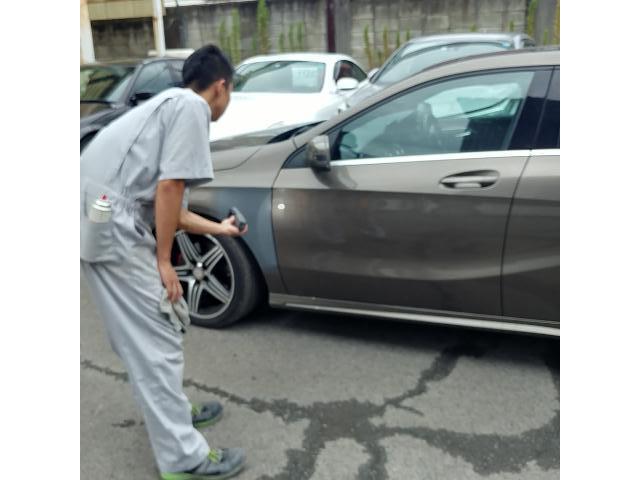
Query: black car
x=109 y=89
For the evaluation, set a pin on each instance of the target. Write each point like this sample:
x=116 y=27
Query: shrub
x=262 y=16
x=367 y=47
x=531 y=18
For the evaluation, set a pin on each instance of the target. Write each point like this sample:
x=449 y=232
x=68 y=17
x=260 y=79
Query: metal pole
x=158 y=28
x=87 y=54
x=331 y=26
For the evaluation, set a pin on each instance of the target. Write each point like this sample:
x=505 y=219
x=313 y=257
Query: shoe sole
x=193 y=476
x=208 y=423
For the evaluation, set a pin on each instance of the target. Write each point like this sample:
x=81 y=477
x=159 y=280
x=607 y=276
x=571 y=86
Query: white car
x=287 y=89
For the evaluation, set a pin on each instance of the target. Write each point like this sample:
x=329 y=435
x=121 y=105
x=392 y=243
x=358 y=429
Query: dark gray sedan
x=436 y=200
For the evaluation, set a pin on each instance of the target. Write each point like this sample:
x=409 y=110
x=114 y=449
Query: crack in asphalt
x=352 y=419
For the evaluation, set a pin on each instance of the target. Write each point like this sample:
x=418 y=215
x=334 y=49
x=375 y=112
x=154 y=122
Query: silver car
x=424 y=52
x=435 y=200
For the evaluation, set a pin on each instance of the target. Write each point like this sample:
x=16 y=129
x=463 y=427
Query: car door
x=414 y=209
x=531 y=280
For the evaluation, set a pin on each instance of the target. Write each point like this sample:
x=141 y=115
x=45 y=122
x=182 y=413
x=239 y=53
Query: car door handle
x=466 y=133
x=481 y=179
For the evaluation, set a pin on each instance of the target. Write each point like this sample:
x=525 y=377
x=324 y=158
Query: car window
x=154 y=78
x=346 y=69
x=103 y=83
x=474 y=113
x=414 y=60
x=176 y=70
x=280 y=77
x=549 y=136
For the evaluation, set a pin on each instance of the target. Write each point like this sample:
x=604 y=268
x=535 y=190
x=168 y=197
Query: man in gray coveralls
x=145 y=162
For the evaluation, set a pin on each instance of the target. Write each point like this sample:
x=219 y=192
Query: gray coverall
x=165 y=138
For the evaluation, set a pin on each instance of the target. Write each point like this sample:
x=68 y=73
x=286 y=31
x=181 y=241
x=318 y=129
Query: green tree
x=281 y=45
x=223 y=36
x=292 y=37
x=300 y=36
x=531 y=18
x=398 y=39
x=380 y=58
x=367 y=47
x=474 y=28
x=545 y=37
x=512 y=26
x=236 y=53
x=407 y=36
x=556 y=25
x=262 y=16
x=386 y=50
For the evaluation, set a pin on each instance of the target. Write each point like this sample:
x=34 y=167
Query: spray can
x=100 y=211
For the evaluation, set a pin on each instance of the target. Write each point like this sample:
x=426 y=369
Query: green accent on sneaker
x=193 y=476
x=196 y=410
x=214 y=456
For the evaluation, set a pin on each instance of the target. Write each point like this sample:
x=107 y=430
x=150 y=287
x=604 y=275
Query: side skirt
x=515 y=325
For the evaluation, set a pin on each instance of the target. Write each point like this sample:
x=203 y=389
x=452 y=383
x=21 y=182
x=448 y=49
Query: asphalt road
x=331 y=397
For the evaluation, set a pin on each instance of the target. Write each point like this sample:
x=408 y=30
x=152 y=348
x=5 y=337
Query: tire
x=220 y=279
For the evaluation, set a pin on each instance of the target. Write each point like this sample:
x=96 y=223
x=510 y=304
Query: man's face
x=221 y=99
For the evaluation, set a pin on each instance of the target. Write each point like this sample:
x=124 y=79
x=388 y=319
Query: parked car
x=435 y=200
x=109 y=89
x=285 y=89
x=420 y=53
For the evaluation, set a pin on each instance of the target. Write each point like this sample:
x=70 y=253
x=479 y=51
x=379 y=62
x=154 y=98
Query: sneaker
x=219 y=464
x=206 y=414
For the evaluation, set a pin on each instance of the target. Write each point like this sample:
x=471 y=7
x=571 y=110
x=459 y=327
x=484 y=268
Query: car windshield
x=280 y=77
x=104 y=83
x=416 y=57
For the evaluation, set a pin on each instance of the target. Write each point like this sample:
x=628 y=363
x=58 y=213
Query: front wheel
x=220 y=282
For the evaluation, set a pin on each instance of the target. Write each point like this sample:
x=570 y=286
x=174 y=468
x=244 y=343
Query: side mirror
x=319 y=153
x=139 y=97
x=372 y=73
x=347 y=83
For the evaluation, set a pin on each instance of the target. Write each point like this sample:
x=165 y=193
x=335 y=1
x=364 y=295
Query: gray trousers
x=128 y=297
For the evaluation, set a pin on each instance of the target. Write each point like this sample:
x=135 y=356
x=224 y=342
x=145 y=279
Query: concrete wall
x=194 y=26
x=115 y=39
x=427 y=18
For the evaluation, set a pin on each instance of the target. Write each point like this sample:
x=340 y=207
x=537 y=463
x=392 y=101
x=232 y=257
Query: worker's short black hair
x=206 y=65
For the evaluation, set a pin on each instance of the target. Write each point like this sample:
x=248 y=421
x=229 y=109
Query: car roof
x=528 y=57
x=130 y=62
x=468 y=37
x=301 y=56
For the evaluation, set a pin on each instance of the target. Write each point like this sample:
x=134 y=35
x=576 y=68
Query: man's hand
x=229 y=229
x=170 y=281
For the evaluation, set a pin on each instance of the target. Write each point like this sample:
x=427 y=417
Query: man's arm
x=169 y=195
x=194 y=223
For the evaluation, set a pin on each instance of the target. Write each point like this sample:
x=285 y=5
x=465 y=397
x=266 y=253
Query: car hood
x=229 y=159
x=365 y=90
x=87 y=109
x=94 y=115
x=250 y=112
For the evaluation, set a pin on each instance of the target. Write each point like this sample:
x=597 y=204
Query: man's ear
x=222 y=83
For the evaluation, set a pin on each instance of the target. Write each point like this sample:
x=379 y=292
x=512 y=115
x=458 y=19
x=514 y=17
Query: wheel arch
x=258 y=243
